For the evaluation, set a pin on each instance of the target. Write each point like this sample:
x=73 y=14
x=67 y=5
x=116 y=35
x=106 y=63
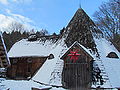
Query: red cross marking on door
x=74 y=55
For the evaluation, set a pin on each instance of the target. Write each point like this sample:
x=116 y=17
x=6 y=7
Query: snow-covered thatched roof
x=111 y=65
x=105 y=47
x=44 y=74
x=27 y=48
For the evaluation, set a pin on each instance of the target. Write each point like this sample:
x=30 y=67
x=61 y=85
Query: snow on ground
x=54 y=88
x=27 y=48
x=21 y=85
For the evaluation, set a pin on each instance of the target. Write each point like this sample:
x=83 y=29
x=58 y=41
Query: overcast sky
x=52 y=15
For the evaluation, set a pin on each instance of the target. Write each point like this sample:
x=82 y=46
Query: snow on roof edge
x=27 y=56
x=86 y=50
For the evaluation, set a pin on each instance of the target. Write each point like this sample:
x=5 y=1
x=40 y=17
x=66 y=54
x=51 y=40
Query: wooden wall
x=77 y=75
x=24 y=67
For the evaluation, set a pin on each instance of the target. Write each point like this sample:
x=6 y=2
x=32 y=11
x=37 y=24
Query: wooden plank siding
x=77 y=75
x=24 y=67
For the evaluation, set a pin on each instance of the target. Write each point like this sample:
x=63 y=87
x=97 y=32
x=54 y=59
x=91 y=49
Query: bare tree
x=43 y=32
x=108 y=20
x=16 y=26
x=18 y=32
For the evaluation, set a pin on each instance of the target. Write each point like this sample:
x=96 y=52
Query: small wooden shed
x=27 y=57
x=24 y=67
x=77 y=67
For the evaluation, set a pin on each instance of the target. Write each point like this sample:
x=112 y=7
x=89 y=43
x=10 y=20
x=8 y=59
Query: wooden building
x=112 y=55
x=77 y=67
x=24 y=67
x=26 y=58
x=4 y=60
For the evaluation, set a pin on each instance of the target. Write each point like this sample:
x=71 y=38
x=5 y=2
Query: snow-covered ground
x=23 y=85
x=19 y=85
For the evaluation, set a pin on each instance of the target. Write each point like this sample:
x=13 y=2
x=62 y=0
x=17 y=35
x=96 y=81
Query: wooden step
x=1 y=44
x=2 y=58
x=5 y=64
x=0 y=41
x=2 y=49
x=2 y=53
x=4 y=61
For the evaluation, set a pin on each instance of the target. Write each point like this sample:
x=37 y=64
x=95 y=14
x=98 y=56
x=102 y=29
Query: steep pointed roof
x=81 y=18
x=78 y=16
x=82 y=29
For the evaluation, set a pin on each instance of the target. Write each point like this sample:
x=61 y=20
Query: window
x=29 y=61
x=51 y=56
x=112 y=55
x=15 y=61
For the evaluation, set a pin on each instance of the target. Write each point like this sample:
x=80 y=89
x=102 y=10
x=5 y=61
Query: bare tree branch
x=108 y=20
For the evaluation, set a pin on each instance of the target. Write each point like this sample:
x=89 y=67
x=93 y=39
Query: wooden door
x=76 y=75
x=21 y=70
